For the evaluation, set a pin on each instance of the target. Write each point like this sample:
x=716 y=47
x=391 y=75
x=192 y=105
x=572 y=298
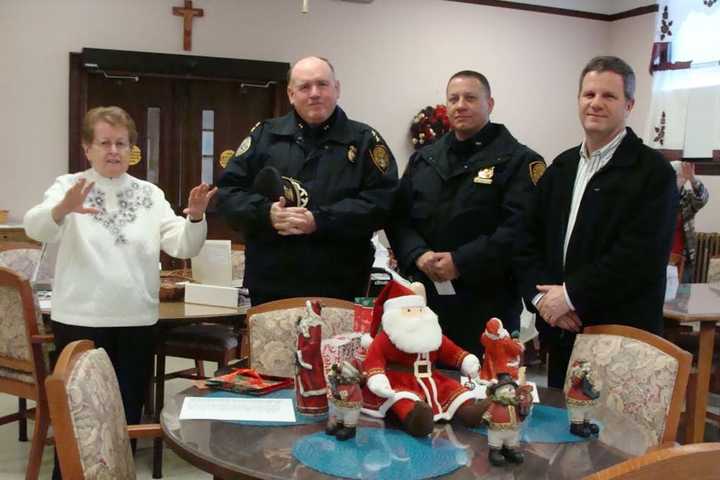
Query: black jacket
x=350 y=184
x=443 y=205
x=616 y=261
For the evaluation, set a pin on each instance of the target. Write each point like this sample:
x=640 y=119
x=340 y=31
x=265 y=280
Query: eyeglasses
x=107 y=145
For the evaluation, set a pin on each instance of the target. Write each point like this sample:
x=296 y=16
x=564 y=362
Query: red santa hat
x=395 y=295
x=494 y=329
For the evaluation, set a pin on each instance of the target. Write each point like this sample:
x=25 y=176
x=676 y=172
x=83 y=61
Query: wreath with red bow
x=428 y=125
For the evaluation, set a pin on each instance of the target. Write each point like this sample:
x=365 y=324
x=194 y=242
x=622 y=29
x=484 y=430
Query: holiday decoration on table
x=345 y=399
x=310 y=385
x=400 y=366
x=581 y=398
x=339 y=348
x=428 y=125
x=502 y=351
x=249 y=382
x=510 y=404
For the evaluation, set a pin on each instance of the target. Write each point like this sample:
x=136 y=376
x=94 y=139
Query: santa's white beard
x=416 y=332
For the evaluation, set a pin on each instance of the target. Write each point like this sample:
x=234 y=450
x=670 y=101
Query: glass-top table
x=229 y=451
x=697 y=303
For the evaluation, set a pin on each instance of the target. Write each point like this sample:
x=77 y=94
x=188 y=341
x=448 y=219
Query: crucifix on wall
x=188 y=13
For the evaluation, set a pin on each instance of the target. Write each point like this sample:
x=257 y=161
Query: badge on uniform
x=244 y=146
x=380 y=157
x=537 y=169
x=225 y=158
x=485 y=176
x=352 y=153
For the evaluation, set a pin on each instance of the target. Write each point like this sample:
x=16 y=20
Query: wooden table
x=697 y=303
x=229 y=450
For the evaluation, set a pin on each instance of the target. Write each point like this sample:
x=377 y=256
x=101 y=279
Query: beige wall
x=392 y=57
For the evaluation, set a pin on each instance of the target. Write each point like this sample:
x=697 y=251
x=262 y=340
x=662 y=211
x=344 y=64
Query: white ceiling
x=608 y=7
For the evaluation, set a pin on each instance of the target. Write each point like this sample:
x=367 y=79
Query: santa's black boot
x=591 y=427
x=513 y=455
x=345 y=433
x=496 y=457
x=419 y=422
x=579 y=430
x=471 y=412
x=332 y=428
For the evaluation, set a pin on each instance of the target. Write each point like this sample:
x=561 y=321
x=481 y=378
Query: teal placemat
x=379 y=453
x=546 y=425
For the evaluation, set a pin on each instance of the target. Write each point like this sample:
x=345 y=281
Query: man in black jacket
x=459 y=204
x=343 y=178
x=598 y=232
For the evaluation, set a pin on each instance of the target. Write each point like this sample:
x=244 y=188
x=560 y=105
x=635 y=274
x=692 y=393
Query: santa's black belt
x=419 y=369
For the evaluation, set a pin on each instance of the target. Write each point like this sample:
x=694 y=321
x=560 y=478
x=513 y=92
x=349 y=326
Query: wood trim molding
x=703 y=166
x=564 y=11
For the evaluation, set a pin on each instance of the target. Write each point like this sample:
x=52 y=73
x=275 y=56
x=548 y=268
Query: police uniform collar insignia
x=537 y=169
x=485 y=176
x=244 y=146
x=352 y=153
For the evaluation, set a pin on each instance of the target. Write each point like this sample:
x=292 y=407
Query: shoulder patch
x=380 y=157
x=537 y=169
x=244 y=146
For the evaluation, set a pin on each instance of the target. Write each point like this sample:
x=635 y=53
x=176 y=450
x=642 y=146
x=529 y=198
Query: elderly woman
x=693 y=196
x=111 y=227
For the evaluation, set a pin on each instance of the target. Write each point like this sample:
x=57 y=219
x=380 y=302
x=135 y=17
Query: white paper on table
x=213 y=265
x=482 y=388
x=230 y=408
x=445 y=288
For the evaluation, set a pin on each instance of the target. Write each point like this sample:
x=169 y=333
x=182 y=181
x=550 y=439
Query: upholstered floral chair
x=273 y=338
x=642 y=380
x=92 y=438
x=21 y=257
x=24 y=364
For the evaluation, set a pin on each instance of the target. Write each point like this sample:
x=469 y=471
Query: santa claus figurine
x=581 y=399
x=310 y=386
x=504 y=416
x=502 y=352
x=345 y=399
x=400 y=367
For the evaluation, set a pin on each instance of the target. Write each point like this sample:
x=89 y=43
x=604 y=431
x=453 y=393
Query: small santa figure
x=345 y=399
x=581 y=399
x=310 y=386
x=510 y=405
x=502 y=352
x=400 y=367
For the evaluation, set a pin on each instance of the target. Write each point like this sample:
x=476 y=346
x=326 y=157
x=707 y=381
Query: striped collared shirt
x=588 y=166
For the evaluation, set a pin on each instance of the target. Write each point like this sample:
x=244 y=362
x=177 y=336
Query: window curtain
x=684 y=117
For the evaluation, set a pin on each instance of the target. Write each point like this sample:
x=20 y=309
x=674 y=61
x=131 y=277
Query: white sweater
x=107 y=268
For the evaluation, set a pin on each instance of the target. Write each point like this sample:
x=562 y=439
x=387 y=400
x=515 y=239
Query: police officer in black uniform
x=459 y=205
x=342 y=178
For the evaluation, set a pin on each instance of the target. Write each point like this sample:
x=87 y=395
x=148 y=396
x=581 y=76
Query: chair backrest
x=713 y=274
x=273 y=336
x=642 y=380
x=697 y=461
x=22 y=257
x=708 y=246
x=87 y=413
x=23 y=344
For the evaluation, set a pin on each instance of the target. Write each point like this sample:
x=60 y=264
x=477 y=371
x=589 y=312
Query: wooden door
x=174 y=109
x=218 y=115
